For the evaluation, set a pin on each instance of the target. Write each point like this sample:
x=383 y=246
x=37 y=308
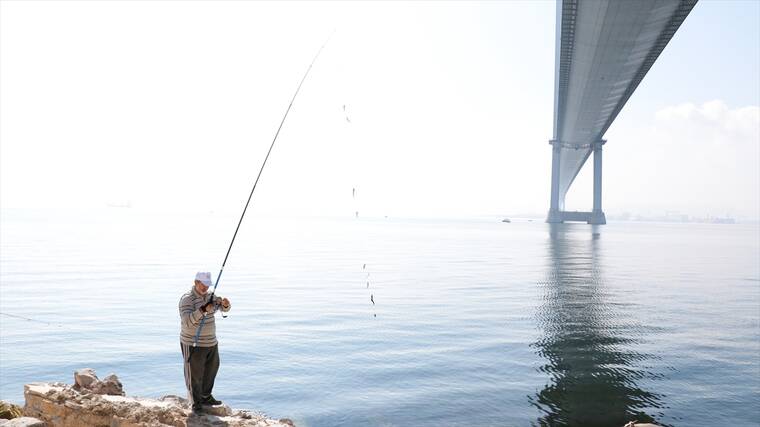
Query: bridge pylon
x=557 y=214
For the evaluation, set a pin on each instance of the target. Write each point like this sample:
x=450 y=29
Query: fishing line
x=211 y=297
x=356 y=213
x=371 y=295
x=28 y=319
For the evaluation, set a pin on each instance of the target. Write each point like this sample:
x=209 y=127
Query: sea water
x=474 y=321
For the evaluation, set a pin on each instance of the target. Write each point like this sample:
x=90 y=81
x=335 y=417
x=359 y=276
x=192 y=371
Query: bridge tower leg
x=555 y=215
x=597 y=215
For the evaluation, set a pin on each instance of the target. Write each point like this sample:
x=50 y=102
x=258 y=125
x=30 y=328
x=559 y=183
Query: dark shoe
x=211 y=401
x=197 y=409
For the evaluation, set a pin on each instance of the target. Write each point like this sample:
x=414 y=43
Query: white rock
x=24 y=422
x=175 y=400
x=60 y=404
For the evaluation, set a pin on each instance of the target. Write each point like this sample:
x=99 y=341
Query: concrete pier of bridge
x=557 y=214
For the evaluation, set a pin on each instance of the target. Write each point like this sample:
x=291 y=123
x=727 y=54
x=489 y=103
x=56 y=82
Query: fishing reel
x=217 y=303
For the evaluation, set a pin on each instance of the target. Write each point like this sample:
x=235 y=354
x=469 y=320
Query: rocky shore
x=94 y=402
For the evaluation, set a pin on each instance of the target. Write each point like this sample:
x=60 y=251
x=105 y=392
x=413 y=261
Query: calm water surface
x=476 y=322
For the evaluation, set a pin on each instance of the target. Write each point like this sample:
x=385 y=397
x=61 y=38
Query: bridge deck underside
x=604 y=50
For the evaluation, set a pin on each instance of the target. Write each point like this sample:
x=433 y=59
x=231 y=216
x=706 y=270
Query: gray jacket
x=190 y=314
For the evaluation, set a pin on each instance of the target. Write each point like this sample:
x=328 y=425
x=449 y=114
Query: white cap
x=203 y=277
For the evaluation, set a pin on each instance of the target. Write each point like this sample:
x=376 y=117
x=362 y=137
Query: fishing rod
x=211 y=299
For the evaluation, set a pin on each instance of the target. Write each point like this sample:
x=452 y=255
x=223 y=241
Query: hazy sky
x=172 y=106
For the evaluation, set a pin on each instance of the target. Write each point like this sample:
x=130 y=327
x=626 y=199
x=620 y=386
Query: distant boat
x=127 y=205
x=506 y=220
x=726 y=220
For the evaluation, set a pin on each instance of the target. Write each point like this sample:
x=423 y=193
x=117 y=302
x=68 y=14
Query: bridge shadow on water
x=589 y=340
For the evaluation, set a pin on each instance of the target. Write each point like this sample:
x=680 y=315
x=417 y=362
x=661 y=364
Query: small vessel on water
x=126 y=205
x=506 y=220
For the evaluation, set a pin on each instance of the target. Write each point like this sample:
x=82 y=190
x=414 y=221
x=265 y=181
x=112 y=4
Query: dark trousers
x=201 y=366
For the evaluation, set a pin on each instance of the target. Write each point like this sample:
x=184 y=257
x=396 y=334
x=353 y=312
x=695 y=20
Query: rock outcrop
x=92 y=402
x=86 y=379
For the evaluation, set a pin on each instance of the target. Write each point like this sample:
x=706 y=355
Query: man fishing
x=200 y=349
x=198 y=334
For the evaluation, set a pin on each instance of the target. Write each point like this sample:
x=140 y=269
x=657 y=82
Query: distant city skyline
x=171 y=107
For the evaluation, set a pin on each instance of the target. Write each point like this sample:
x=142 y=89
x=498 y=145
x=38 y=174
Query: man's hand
x=208 y=307
x=225 y=303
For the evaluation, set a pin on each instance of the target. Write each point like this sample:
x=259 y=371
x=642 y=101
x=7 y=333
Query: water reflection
x=589 y=340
